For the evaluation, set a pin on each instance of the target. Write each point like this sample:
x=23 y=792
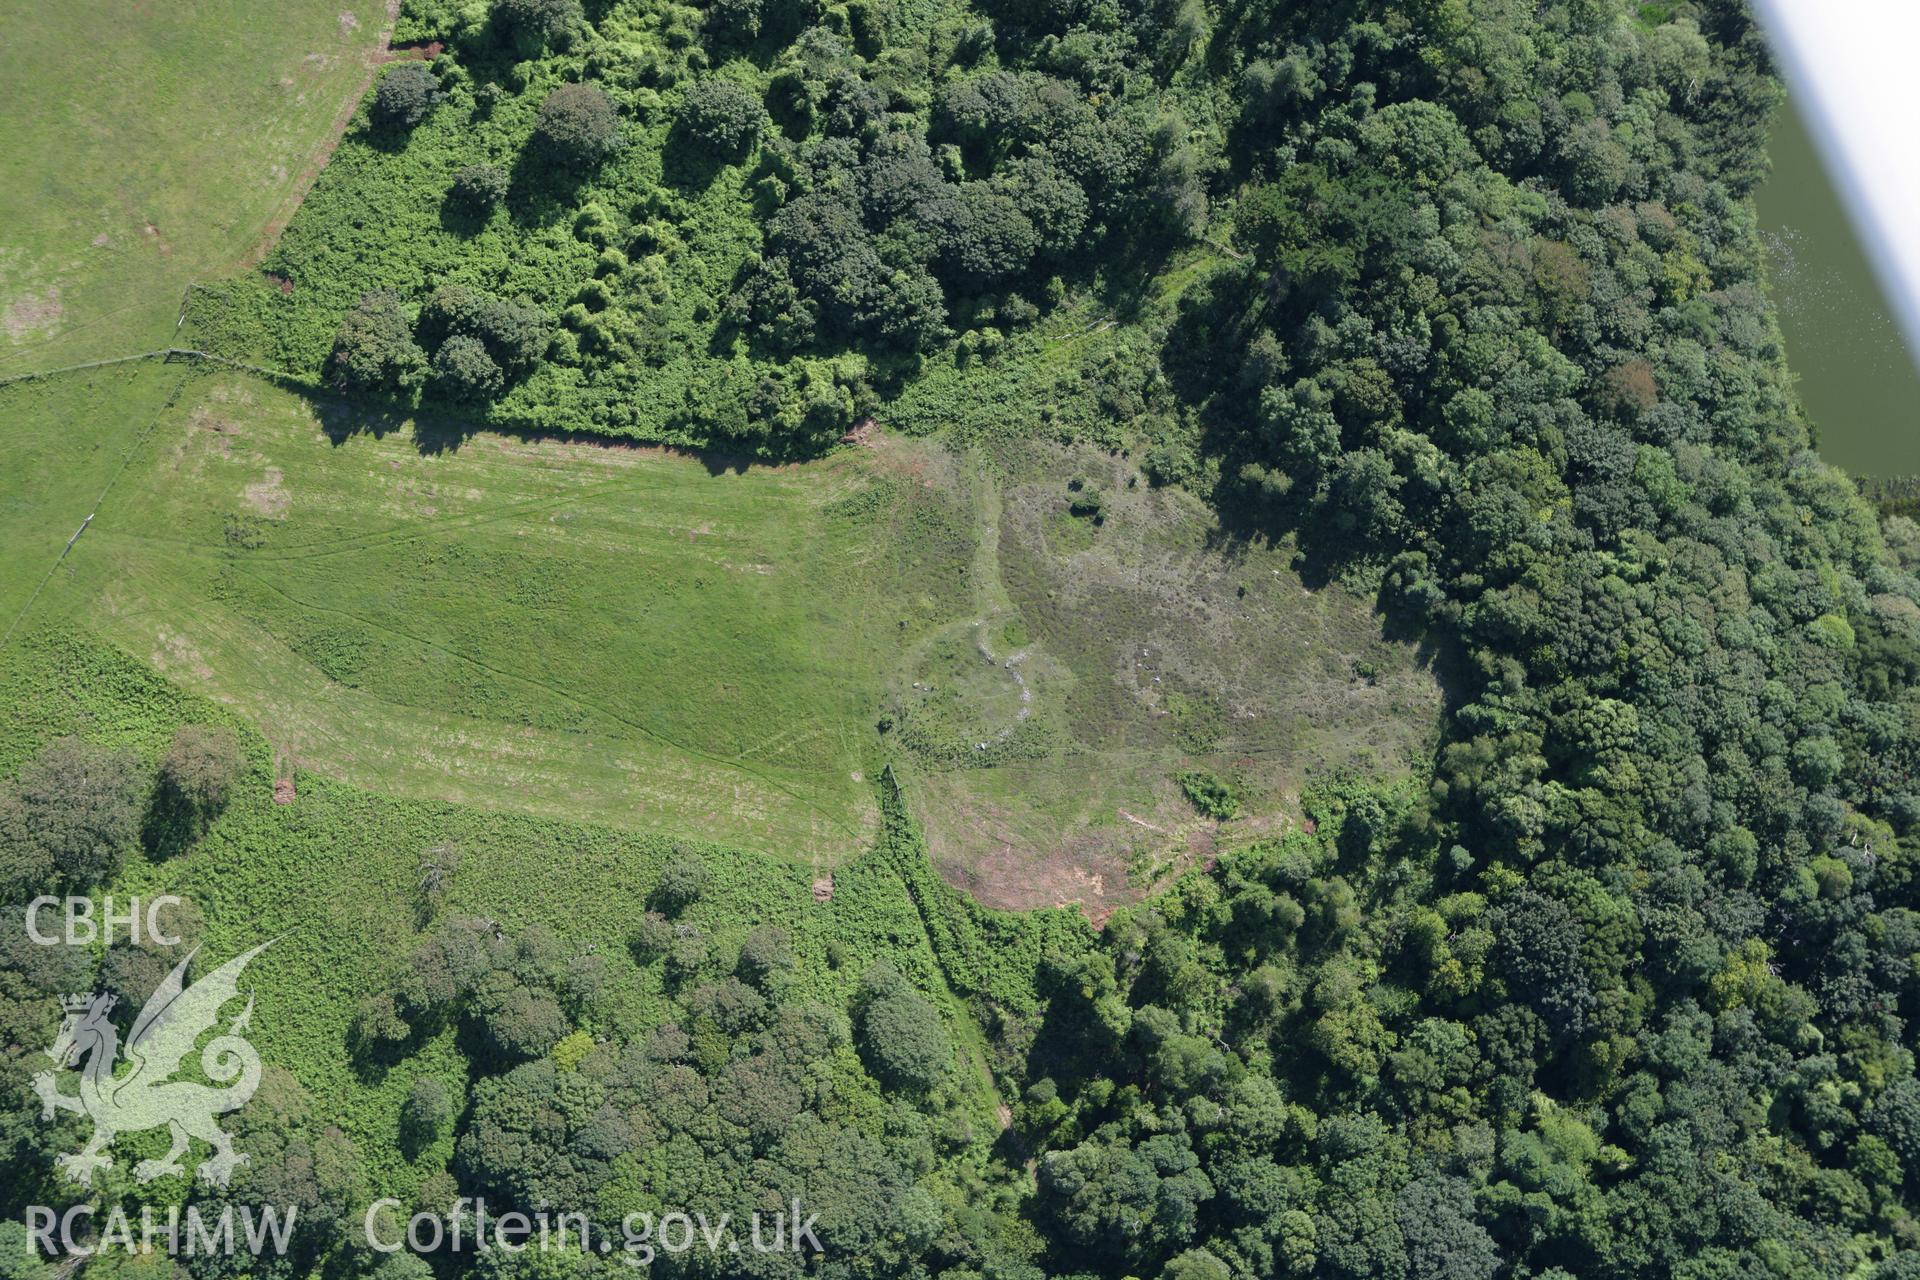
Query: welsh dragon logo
x=147 y=1097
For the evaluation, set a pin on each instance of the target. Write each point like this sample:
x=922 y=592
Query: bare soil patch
x=862 y=433
x=1089 y=872
x=33 y=313
x=268 y=496
x=414 y=52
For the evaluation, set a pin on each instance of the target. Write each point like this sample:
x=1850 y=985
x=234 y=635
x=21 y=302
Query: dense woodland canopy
x=1624 y=988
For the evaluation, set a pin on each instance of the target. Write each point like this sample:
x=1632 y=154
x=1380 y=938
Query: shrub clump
x=901 y=1034
x=425 y=1115
x=405 y=96
x=480 y=186
x=532 y=24
x=197 y=775
x=722 y=115
x=374 y=350
x=577 y=127
x=765 y=956
x=514 y=333
x=462 y=370
x=1212 y=797
x=69 y=818
x=682 y=881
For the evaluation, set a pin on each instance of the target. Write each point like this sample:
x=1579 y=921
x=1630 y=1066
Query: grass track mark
x=577 y=700
x=125 y=460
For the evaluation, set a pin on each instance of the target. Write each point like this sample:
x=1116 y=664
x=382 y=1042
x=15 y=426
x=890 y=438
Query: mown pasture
x=645 y=638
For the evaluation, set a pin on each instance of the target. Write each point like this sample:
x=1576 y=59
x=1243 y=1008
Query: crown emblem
x=82 y=1002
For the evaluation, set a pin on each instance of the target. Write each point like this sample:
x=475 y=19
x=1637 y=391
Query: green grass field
x=195 y=132
x=619 y=635
x=62 y=443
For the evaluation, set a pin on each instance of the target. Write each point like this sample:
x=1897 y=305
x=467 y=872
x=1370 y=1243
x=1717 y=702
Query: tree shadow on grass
x=436 y=432
x=433 y=435
x=341 y=420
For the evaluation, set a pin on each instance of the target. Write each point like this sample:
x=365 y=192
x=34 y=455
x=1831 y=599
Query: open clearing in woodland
x=682 y=645
x=1119 y=643
x=607 y=634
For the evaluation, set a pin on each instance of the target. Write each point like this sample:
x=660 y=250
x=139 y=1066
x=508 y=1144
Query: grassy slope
x=332 y=876
x=62 y=443
x=188 y=140
x=618 y=635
